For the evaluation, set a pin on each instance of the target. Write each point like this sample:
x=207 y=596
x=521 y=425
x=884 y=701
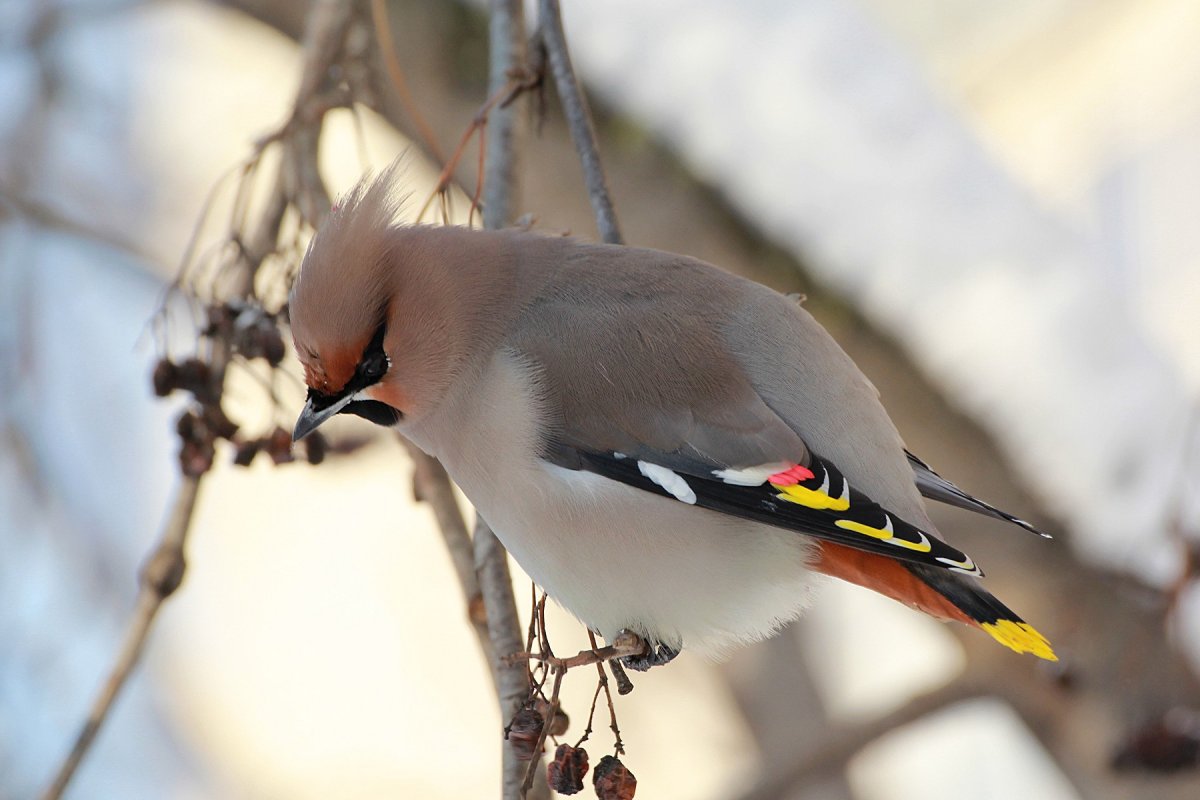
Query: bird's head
x=376 y=311
x=340 y=310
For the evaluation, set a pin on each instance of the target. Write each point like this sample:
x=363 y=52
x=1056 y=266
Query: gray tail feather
x=935 y=487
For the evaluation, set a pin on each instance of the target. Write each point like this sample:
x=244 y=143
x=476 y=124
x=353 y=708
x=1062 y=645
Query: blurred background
x=991 y=206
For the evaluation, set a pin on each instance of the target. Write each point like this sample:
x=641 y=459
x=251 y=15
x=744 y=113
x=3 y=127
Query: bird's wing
x=641 y=385
x=813 y=499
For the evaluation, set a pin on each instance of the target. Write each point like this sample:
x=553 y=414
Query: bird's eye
x=373 y=366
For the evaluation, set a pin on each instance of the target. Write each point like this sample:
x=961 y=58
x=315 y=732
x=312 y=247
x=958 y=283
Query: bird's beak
x=311 y=418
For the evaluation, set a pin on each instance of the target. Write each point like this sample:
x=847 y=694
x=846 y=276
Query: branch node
x=163 y=572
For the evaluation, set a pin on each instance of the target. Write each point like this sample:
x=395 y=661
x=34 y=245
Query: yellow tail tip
x=1019 y=636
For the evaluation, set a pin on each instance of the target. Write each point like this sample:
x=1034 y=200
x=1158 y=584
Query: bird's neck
x=459 y=291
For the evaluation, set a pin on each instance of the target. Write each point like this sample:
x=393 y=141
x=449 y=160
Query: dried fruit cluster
x=251 y=330
x=248 y=331
x=565 y=774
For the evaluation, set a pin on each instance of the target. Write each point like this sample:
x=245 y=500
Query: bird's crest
x=339 y=298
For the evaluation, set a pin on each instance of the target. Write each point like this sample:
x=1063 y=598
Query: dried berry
x=246 y=451
x=613 y=780
x=558 y=723
x=566 y=772
x=196 y=457
x=315 y=447
x=279 y=446
x=220 y=320
x=1168 y=744
x=524 y=732
x=216 y=420
x=256 y=334
x=196 y=377
x=165 y=377
x=272 y=344
x=189 y=426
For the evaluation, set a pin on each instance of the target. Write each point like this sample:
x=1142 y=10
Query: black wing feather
x=767 y=504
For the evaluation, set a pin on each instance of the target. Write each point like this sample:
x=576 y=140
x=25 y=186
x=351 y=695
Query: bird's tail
x=937 y=592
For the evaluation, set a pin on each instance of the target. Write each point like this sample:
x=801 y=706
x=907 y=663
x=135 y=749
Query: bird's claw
x=655 y=654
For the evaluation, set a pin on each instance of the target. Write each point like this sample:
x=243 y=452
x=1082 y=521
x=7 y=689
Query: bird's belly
x=614 y=556
x=618 y=557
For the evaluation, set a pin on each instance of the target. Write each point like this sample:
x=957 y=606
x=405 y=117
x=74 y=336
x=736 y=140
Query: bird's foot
x=656 y=654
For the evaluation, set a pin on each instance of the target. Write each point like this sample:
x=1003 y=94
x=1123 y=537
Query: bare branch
x=504 y=628
x=840 y=745
x=160 y=577
x=432 y=485
x=506 y=58
x=626 y=644
x=579 y=119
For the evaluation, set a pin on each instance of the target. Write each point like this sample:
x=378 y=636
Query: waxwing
x=664 y=447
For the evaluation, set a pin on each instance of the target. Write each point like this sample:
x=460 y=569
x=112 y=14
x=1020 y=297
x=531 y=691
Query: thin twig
x=626 y=644
x=543 y=633
x=160 y=577
x=618 y=744
x=499 y=101
x=587 y=729
x=624 y=685
x=532 y=632
x=537 y=627
x=579 y=119
x=477 y=195
x=387 y=49
x=531 y=768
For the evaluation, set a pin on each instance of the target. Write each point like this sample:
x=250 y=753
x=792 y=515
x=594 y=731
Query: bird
x=666 y=448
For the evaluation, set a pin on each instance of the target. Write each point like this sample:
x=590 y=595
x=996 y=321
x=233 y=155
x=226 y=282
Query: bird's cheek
x=389 y=393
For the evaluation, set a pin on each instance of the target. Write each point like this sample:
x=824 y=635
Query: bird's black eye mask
x=371 y=368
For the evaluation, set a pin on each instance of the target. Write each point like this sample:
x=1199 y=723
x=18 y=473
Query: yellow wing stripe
x=1020 y=636
x=865 y=530
x=813 y=498
x=885 y=535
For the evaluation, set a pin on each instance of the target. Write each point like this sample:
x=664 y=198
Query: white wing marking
x=750 y=476
x=668 y=480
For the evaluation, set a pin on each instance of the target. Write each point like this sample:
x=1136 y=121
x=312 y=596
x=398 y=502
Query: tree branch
x=504 y=628
x=506 y=36
x=841 y=744
x=432 y=485
x=506 y=59
x=579 y=119
x=159 y=578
